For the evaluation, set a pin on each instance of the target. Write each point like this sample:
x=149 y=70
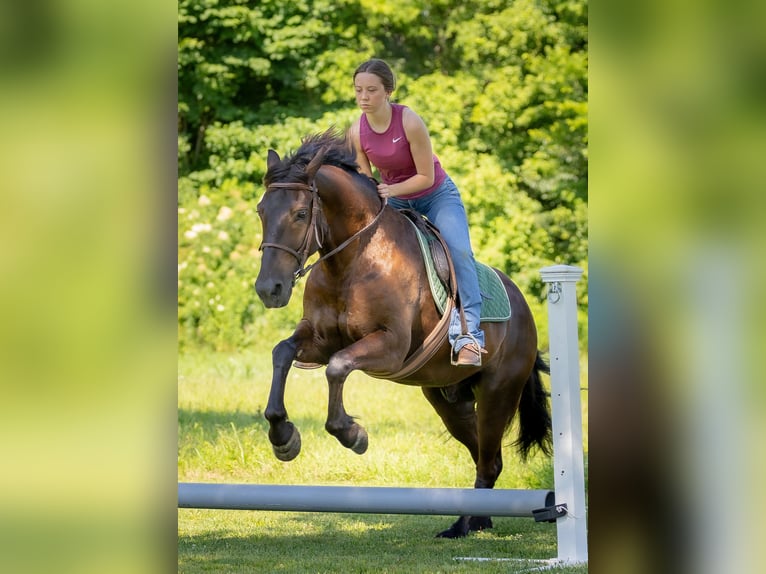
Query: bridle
x=304 y=251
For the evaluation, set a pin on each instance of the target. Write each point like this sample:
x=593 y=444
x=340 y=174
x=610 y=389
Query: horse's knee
x=283 y=352
x=337 y=369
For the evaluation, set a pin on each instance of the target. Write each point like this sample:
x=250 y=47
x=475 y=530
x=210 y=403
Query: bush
x=218 y=238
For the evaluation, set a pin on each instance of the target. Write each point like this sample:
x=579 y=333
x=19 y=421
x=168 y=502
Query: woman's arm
x=361 y=157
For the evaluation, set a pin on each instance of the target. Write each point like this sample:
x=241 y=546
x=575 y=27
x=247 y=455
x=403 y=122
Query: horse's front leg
x=285 y=438
x=375 y=352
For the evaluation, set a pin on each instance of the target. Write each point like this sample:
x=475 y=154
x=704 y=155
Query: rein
x=303 y=252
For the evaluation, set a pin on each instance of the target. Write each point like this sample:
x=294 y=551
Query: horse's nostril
x=269 y=290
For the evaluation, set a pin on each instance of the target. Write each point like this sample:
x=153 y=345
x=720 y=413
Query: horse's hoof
x=479 y=523
x=452 y=532
x=292 y=448
x=459 y=529
x=361 y=442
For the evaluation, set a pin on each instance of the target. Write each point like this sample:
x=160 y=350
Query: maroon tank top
x=390 y=153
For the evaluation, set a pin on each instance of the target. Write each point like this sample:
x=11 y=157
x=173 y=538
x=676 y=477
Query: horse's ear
x=272 y=159
x=315 y=163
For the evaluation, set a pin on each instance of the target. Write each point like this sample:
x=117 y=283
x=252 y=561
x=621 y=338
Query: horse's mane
x=336 y=147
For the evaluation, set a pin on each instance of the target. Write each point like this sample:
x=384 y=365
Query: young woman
x=395 y=140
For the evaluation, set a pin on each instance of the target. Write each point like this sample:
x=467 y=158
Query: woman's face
x=371 y=96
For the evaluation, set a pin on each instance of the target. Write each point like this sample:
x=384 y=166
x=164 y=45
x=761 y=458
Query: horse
x=367 y=306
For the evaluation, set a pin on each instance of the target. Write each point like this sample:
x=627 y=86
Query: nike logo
x=397 y=139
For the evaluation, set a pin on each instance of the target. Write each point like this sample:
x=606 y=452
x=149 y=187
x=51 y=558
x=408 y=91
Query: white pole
x=569 y=472
x=364 y=499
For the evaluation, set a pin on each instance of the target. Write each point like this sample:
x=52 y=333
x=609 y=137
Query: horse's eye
x=301 y=215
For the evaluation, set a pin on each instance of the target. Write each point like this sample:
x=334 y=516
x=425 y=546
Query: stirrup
x=307 y=366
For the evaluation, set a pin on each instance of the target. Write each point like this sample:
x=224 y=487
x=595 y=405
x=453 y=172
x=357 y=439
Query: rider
x=395 y=139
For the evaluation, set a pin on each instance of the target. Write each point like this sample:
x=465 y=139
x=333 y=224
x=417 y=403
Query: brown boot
x=469 y=355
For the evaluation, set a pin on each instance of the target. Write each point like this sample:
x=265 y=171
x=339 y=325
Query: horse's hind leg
x=459 y=418
x=461 y=421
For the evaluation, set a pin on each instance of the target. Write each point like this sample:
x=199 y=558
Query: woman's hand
x=384 y=190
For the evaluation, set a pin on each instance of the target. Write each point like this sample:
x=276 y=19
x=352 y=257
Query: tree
x=502 y=86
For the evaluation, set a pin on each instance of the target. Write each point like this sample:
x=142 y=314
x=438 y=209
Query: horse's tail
x=534 y=413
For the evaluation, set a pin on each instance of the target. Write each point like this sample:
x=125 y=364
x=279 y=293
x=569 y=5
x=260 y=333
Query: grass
x=222 y=437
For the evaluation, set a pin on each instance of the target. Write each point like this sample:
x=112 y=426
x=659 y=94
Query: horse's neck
x=347 y=208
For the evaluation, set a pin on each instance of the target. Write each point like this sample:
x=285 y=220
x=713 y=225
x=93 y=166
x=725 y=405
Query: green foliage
x=217 y=239
x=502 y=87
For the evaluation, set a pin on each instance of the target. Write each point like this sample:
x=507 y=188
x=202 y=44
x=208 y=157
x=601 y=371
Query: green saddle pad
x=495 y=306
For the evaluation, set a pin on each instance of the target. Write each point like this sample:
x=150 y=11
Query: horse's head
x=289 y=212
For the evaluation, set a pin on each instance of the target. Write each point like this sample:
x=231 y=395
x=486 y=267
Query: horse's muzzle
x=273 y=293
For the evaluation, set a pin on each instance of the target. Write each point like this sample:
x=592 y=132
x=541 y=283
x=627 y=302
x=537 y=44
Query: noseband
x=303 y=252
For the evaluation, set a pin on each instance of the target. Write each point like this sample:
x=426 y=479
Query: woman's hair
x=380 y=69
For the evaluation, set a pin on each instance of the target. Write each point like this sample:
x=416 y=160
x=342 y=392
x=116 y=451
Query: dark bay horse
x=367 y=306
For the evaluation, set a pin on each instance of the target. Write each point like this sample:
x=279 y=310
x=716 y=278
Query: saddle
x=437 y=249
x=495 y=305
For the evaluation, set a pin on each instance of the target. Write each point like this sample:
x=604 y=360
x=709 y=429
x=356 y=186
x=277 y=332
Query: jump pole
x=568 y=468
x=366 y=500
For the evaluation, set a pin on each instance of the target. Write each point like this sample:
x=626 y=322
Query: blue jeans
x=444 y=208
